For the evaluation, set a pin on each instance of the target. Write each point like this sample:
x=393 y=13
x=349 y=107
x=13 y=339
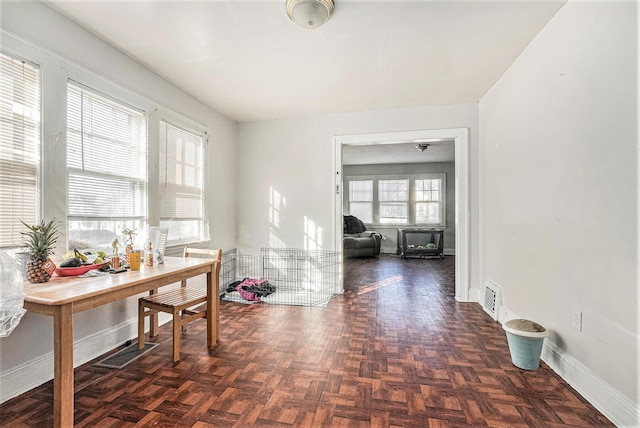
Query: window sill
x=405 y=226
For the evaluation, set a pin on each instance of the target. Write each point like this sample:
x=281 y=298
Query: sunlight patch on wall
x=312 y=235
x=274 y=240
x=276 y=203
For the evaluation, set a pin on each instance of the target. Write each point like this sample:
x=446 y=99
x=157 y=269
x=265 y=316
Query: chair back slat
x=216 y=254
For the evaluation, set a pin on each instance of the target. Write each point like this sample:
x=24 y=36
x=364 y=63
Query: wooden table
x=62 y=297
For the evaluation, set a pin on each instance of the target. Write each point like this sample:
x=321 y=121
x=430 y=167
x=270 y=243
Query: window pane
x=428 y=203
x=118 y=196
x=428 y=212
x=393 y=190
x=393 y=196
x=361 y=199
x=183 y=230
x=393 y=213
x=181 y=183
x=362 y=210
x=100 y=234
x=19 y=148
x=428 y=190
x=107 y=168
x=361 y=190
x=100 y=130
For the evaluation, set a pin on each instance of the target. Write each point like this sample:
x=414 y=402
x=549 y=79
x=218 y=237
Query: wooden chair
x=179 y=302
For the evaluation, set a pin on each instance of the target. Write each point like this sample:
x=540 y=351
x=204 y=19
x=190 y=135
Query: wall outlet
x=576 y=320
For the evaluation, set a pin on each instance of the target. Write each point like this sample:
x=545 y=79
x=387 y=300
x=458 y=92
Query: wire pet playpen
x=300 y=277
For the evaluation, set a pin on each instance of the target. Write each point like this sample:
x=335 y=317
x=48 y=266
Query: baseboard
x=619 y=408
x=33 y=373
x=26 y=376
x=475 y=295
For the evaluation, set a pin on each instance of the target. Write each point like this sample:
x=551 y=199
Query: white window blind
x=361 y=199
x=181 y=183
x=107 y=167
x=19 y=147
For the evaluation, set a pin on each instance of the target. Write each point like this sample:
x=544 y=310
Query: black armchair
x=357 y=241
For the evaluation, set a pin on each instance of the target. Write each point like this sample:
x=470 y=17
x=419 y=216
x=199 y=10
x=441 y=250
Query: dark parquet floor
x=395 y=350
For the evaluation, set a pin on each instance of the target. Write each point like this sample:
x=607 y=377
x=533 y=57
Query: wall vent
x=492 y=299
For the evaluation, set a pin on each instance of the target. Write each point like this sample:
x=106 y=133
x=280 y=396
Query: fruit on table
x=101 y=254
x=73 y=262
x=39 y=245
x=79 y=255
x=98 y=260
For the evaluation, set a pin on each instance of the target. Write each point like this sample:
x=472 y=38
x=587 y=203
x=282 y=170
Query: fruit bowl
x=75 y=271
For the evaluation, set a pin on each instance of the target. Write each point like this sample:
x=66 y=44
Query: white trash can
x=525 y=340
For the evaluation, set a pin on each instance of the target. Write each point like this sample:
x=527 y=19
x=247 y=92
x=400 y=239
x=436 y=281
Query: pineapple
x=38 y=243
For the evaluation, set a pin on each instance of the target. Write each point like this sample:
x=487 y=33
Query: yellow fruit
x=80 y=255
x=98 y=261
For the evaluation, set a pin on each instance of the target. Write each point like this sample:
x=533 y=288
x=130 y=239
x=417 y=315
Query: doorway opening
x=459 y=137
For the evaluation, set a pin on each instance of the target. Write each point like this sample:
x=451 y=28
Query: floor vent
x=492 y=298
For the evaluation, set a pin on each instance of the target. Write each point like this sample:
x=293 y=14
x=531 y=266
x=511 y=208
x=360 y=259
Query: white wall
x=559 y=197
x=294 y=158
x=64 y=50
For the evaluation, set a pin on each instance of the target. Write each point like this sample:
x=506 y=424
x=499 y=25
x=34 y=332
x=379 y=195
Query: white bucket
x=525 y=340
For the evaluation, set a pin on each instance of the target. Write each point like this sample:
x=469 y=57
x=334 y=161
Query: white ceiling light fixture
x=422 y=147
x=309 y=14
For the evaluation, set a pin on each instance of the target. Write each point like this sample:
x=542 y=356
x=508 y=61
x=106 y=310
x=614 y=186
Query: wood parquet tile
x=395 y=350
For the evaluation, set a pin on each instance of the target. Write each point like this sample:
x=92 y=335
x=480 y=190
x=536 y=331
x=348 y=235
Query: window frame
x=363 y=201
x=199 y=131
x=429 y=201
x=114 y=223
x=412 y=199
x=398 y=202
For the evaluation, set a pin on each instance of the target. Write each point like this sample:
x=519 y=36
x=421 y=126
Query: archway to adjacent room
x=460 y=137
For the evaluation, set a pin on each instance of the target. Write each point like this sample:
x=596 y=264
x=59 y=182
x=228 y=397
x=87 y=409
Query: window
x=428 y=201
x=181 y=183
x=107 y=168
x=411 y=199
x=361 y=199
x=393 y=199
x=19 y=148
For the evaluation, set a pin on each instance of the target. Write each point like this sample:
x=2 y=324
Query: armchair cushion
x=359 y=242
x=353 y=224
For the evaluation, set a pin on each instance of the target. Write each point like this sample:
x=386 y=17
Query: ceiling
x=438 y=151
x=246 y=60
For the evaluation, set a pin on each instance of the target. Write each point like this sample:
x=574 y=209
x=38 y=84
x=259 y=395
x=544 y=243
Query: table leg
x=211 y=311
x=153 y=319
x=216 y=298
x=63 y=366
